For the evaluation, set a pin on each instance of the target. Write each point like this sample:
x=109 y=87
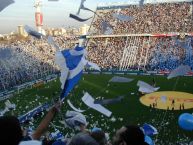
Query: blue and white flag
x=71 y=63
x=5 y=3
x=149 y=130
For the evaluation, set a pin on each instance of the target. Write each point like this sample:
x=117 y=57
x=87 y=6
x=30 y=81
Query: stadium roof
x=136 y=2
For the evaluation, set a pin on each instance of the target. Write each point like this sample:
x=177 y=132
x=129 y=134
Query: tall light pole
x=38 y=15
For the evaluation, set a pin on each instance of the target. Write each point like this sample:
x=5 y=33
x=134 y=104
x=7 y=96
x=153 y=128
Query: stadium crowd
x=66 y=42
x=23 y=61
x=146 y=53
x=150 y=53
x=151 y=18
x=107 y=52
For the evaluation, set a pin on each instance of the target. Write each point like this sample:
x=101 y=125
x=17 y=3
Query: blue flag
x=71 y=63
x=149 y=130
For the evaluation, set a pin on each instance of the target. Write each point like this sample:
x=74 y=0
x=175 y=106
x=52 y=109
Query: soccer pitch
x=128 y=111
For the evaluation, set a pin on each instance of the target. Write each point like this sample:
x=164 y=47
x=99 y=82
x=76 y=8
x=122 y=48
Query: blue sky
x=55 y=13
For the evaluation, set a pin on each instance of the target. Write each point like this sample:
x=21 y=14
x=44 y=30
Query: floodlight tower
x=38 y=15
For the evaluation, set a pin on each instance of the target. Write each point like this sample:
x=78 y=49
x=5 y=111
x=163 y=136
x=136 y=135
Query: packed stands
x=140 y=52
x=24 y=61
x=158 y=38
x=151 y=18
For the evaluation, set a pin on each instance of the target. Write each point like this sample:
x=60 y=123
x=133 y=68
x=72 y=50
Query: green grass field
x=130 y=109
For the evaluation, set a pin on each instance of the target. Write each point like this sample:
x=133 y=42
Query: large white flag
x=146 y=88
x=89 y=101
